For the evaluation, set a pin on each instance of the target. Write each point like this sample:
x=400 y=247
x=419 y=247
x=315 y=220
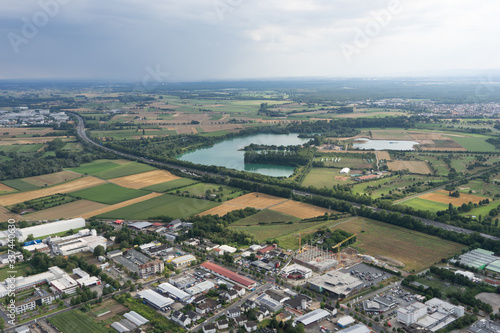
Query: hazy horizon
x=194 y=40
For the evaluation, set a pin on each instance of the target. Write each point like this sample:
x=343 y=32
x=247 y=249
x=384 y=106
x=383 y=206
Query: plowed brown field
x=443 y=197
x=144 y=179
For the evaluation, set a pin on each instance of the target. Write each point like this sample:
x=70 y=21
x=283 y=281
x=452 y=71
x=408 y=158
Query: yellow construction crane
x=305 y=233
x=338 y=246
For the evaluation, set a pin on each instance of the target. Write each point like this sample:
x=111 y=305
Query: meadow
x=265 y=216
x=19 y=184
x=75 y=321
x=326 y=177
x=170 y=185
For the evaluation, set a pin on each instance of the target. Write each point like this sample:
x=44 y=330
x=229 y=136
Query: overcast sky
x=138 y=40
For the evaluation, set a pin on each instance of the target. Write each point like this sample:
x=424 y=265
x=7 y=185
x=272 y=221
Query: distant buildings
x=228 y=274
x=44 y=229
x=433 y=315
x=139 y=263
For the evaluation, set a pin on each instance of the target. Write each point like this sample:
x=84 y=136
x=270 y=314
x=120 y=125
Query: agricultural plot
x=131 y=133
x=108 y=309
x=474 y=143
x=70 y=210
x=75 y=321
x=108 y=193
x=326 y=177
x=11 y=199
x=52 y=178
x=21 y=148
x=119 y=205
x=95 y=167
x=416 y=250
x=442 y=196
x=124 y=170
x=6 y=214
x=19 y=184
x=383 y=155
x=164 y=205
x=4 y=188
x=418 y=167
x=480 y=188
x=144 y=179
x=170 y=185
x=381 y=187
x=421 y=204
x=265 y=216
x=389 y=134
x=255 y=200
x=204 y=189
x=300 y=209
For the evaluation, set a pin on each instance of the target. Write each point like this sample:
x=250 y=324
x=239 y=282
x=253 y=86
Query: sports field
x=69 y=210
x=75 y=321
x=163 y=205
x=81 y=183
x=144 y=179
x=170 y=185
x=108 y=193
x=52 y=178
x=416 y=250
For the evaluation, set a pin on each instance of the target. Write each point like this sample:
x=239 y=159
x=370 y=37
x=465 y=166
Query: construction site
x=320 y=261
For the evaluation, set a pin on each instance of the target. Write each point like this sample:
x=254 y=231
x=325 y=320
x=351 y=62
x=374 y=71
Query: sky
x=194 y=40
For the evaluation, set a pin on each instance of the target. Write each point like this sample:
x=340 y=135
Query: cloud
x=221 y=39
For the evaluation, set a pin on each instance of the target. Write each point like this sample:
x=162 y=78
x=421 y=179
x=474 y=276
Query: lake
x=226 y=154
x=385 y=144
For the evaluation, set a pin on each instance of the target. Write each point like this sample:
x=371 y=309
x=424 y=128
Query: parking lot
x=368 y=274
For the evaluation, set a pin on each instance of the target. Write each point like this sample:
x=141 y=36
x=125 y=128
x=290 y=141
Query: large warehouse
x=336 y=283
x=50 y=228
x=156 y=300
x=229 y=275
x=313 y=317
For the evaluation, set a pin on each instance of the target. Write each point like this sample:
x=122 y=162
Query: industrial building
x=269 y=303
x=336 y=283
x=156 y=300
x=83 y=241
x=174 y=292
x=200 y=288
x=84 y=279
x=137 y=262
x=435 y=314
x=358 y=328
x=345 y=321
x=494 y=266
x=316 y=259
x=295 y=271
x=477 y=258
x=312 y=317
x=140 y=225
x=183 y=260
x=45 y=229
x=228 y=275
x=345 y=170
x=378 y=305
x=228 y=249
x=484 y=326
x=55 y=277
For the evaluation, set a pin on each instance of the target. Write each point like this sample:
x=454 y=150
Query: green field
x=415 y=250
x=165 y=205
x=19 y=184
x=128 y=169
x=265 y=216
x=422 y=204
x=168 y=186
x=398 y=184
x=353 y=161
x=131 y=133
x=474 y=143
x=75 y=321
x=95 y=167
x=26 y=148
x=325 y=177
x=200 y=190
x=21 y=268
x=108 y=193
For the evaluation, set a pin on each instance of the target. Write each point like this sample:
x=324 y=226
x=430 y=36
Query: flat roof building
x=358 y=328
x=336 y=283
x=167 y=288
x=183 y=260
x=312 y=317
x=228 y=274
x=156 y=300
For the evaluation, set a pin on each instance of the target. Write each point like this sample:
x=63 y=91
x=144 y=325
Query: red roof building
x=267 y=249
x=119 y=221
x=226 y=273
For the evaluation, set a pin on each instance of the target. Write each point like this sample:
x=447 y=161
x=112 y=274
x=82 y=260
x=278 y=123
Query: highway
x=83 y=136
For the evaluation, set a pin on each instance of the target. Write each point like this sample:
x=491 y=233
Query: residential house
x=250 y=326
x=222 y=324
x=210 y=328
x=241 y=320
x=233 y=313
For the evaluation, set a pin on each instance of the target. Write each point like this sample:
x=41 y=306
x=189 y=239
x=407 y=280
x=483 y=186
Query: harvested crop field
x=6 y=214
x=300 y=209
x=413 y=166
x=144 y=179
x=416 y=250
x=12 y=199
x=256 y=200
x=443 y=197
x=5 y=188
x=69 y=210
x=221 y=210
x=383 y=155
x=52 y=178
x=120 y=205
